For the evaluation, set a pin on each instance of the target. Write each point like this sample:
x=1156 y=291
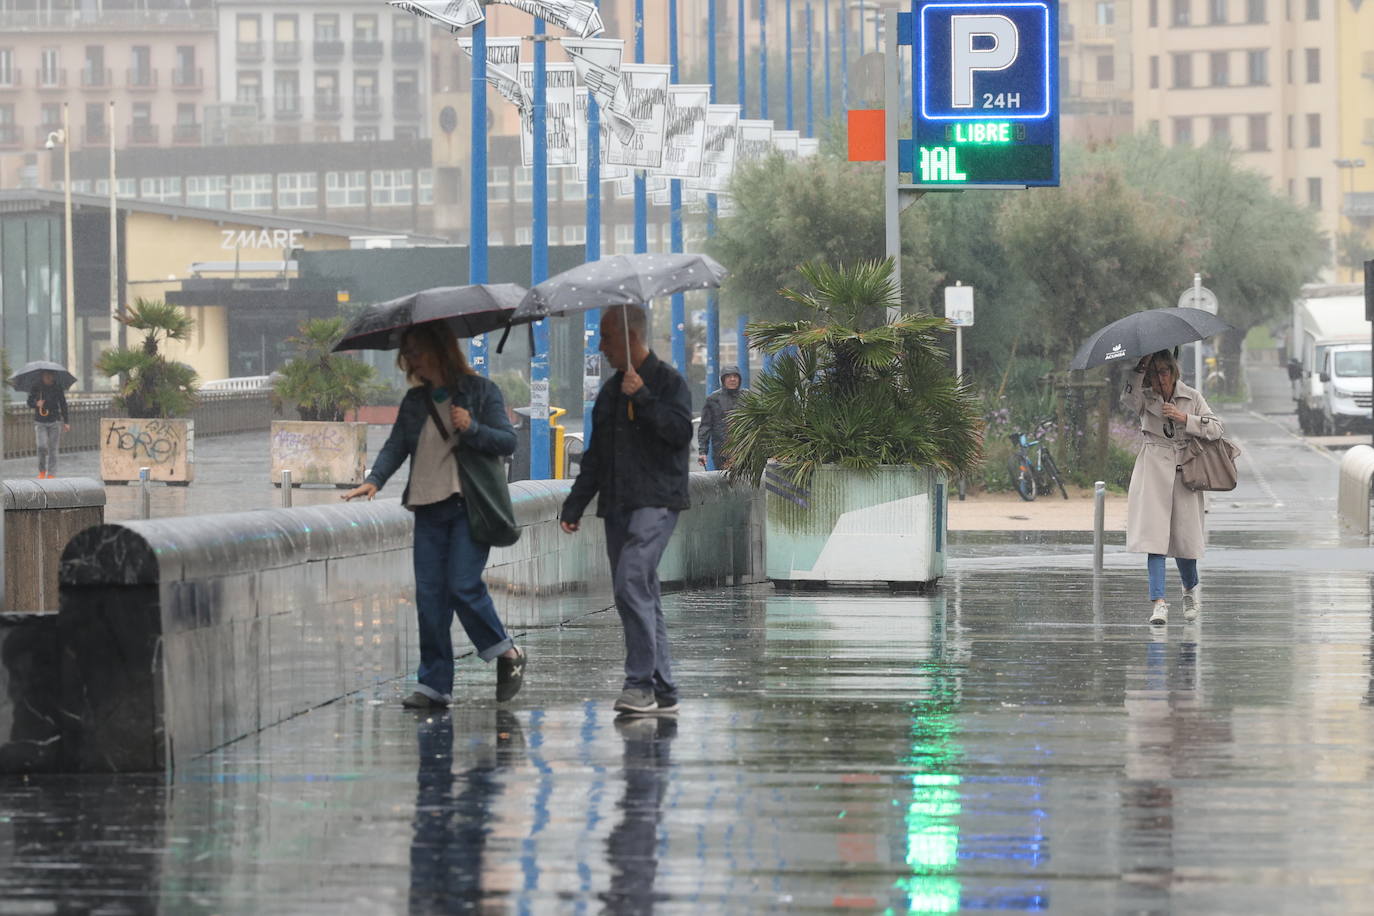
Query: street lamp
x=1349 y=166
x=63 y=136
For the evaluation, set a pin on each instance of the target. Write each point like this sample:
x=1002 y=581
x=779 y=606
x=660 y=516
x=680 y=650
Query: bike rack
x=1353 y=493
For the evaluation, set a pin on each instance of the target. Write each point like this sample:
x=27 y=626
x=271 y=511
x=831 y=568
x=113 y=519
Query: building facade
x=1095 y=72
x=1355 y=159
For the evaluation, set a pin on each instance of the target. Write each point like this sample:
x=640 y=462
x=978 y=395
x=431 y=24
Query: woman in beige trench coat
x=1163 y=517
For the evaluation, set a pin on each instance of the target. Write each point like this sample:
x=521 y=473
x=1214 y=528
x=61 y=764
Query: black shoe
x=510 y=676
x=418 y=700
x=667 y=706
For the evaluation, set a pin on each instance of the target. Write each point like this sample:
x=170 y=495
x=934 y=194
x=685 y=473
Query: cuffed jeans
x=1187 y=571
x=635 y=542
x=49 y=439
x=448 y=580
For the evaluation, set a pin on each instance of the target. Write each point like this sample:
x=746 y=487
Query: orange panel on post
x=867 y=135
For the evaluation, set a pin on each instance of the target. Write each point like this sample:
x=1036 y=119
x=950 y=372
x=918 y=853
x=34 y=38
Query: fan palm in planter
x=854 y=432
x=321 y=447
x=155 y=394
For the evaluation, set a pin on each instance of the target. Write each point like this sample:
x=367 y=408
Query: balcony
x=1097 y=34
x=93 y=134
x=286 y=107
x=249 y=52
x=96 y=77
x=407 y=106
x=141 y=80
x=104 y=20
x=367 y=105
x=11 y=80
x=186 y=134
x=407 y=49
x=329 y=50
x=142 y=134
x=286 y=51
x=328 y=106
x=368 y=50
x=11 y=135
x=188 y=79
x=51 y=79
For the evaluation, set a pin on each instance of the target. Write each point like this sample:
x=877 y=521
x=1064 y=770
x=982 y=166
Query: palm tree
x=323 y=384
x=148 y=384
x=849 y=387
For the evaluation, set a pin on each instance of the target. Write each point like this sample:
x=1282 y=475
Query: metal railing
x=286 y=50
x=12 y=79
x=96 y=77
x=328 y=105
x=188 y=78
x=11 y=135
x=142 y=134
x=367 y=106
x=141 y=79
x=51 y=79
x=248 y=51
x=330 y=49
x=186 y=133
x=218 y=413
x=368 y=50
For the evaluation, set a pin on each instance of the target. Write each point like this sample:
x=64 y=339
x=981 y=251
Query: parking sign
x=986 y=93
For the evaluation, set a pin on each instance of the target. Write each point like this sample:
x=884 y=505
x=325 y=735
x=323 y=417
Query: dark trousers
x=635 y=542
x=448 y=580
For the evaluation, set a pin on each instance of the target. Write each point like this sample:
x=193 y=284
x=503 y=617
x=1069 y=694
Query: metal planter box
x=881 y=528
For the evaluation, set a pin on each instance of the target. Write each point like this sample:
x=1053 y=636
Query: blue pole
x=861 y=28
x=763 y=59
x=591 y=319
x=810 y=78
x=641 y=189
x=540 y=461
x=712 y=208
x=743 y=352
x=679 y=301
x=844 y=56
x=742 y=76
x=477 y=214
x=825 y=50
x=787 y=32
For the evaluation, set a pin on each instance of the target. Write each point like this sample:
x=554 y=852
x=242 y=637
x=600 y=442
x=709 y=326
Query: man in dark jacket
x=711 y=431
x=636 y=466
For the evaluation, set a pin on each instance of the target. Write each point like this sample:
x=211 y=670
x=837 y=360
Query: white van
x=1346 y=397
x=1327 y=317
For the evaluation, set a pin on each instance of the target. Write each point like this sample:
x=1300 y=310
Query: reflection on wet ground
x=1018 y=741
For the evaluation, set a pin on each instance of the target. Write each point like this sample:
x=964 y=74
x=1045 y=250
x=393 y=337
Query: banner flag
x=685 y=135
x=598 y=62
x=608 y=172
x=560 y=117
x=503 y=68
x=642 y=96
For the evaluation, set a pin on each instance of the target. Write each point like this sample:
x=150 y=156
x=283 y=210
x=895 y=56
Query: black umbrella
x=1146 y=332
x=468 y=310
x=25 y=379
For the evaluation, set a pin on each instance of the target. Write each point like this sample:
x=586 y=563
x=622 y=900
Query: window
x=1183 y=131
x=6 y=66
x=496 y=239
x=524 y=183
x=286 y=93
x=1257 y=128
x=1153 y=128
x=298 y=191
x=185 y=74
x=209 y=191
x=93 y=73
x=405 y=27
x=424 y=184
x=124 y=187
x=1314 y=193
x=1288 y=66
x=1314 y=10
x=1255 y=12
x=251 y=192
x=326 y=27
x=498 y=183
x=50 y=115
x=624 y=238
x=48 y=74
x=1288 y=140
x=141 y=112
x=249 y=27
x=141 y=65
x=1219 y=63
x=286 y=28
x=1154 y=14
x=365 y=98
x=249 y=87
x=555 y=234
x=1216 y=12
x=345 y=189
x=1314 y=131
x=366 y=134
x=1106 y=13
x=1314 y=65
x=95 y=121
x=1219 y=129
x=365 y=27
x=574 y=235
x=1154 y=71
x=1182 y=12
x=1106 y=68
x=1257 y=67
x=573 y=190
x=523 y=235
x=1183 y=71
x=326 y=93
x=393 y=187
x=167 y=190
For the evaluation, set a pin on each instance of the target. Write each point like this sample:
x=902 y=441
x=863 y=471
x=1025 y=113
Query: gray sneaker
x=1159 y=614
x=637 y=702
x=1192 y=602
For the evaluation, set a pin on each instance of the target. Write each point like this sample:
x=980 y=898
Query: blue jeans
x=448 y=579
x=1187 y=571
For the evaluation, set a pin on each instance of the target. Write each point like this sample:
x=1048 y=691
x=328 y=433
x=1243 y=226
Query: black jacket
x=54 y=402
x=641 y=462
x=711 y=433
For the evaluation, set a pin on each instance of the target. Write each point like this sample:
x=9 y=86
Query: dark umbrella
x=623 y=279
x=468 y=310
x=1146 y=332
x=25 y=379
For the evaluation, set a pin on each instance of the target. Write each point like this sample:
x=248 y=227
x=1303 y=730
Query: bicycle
x=1038 y=475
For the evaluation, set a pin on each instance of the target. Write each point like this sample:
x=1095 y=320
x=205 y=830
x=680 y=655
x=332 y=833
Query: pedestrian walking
x=1163 y=517
x=711 y=432
x=637 y=467
x=48 y=399
x=448 y=561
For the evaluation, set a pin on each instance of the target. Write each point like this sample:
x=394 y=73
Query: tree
x=148 y=385
x=1353 y=248
x=323 y=384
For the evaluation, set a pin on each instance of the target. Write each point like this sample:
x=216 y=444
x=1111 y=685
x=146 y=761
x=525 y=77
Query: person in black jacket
x=712 y=429
x=49 y=403
x=636 y=465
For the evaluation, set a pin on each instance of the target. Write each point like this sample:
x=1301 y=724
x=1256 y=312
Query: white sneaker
x=1159 y=615
x=1192 y=602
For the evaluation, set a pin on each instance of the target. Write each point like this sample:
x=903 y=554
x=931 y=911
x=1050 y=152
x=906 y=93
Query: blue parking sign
x=986 y=93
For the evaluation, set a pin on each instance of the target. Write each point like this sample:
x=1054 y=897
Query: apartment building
x=324 y=71
x=1095 y=75
x=1258 y=75
x=1355 y=153
x=155 y=64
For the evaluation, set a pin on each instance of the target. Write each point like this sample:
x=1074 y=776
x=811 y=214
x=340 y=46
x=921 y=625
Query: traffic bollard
x=145 y=495
x=285 y=489
x=1099 y=523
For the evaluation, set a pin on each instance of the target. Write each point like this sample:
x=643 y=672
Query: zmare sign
x=986 y=94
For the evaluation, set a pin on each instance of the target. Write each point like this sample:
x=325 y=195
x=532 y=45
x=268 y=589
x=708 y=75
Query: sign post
x=1198 y=296
x=959 y=312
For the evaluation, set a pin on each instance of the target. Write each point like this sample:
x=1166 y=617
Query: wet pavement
x=1018 y=740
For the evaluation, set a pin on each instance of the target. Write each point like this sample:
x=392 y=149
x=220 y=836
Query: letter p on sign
x=980 y=44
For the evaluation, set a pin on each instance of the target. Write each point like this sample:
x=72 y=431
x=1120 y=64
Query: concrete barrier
x=180 y=635
x=30 y=739
x=41 y=516
x=1353 y=491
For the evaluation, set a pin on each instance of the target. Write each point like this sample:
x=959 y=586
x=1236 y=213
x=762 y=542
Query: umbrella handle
x=501 y=345
x=42 y=411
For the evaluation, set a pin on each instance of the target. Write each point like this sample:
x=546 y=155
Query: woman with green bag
x=454 y=429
